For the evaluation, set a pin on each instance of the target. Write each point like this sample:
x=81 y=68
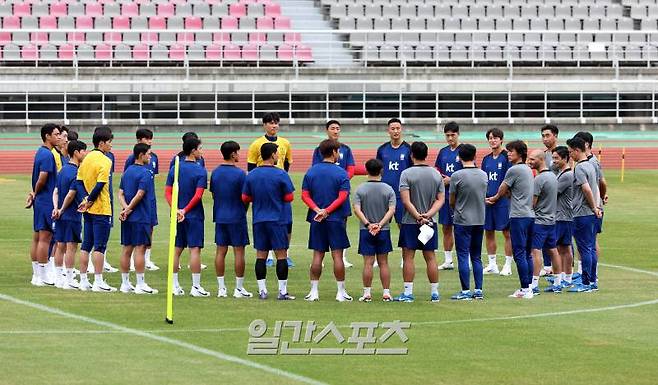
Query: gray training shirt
x=424 y=184
x=599 y=175
x=469 y=187
x=374 y=198
x=546 y=193
x=564 y=193
x=583 y=173
x=519 y=180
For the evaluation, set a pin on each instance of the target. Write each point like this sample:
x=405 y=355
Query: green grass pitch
x=610 y=337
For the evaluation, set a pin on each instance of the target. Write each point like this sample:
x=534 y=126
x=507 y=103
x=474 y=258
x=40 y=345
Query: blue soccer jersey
x=200 y=161
x=44 y=162
x=324 y=181
x=153 y=166
x=395 y=161
x=345 y=157
x=138 y=177
x=66 y=181
x=226 y=184
x=447 y=162
x=267 y=186
x=190 y=177
x=496 y=168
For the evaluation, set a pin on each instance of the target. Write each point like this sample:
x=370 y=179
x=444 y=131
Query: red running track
x=20 y=162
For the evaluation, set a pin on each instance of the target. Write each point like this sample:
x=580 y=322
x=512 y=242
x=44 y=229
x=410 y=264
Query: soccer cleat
x=222 y=292
x=312 y=297
x=127 y=288
x=198 y=291
x=150 y=266
x=580 y=288
x=269 y=262
x=506 y=271
x=241 y=293
x=107 y=268
x=343 y=297
x=566 y=285
x=447 y=266
x=41 y=283
x=34 y=280
x=102 y=287
x=435 y=297
x=203 y=267
x=290 y=262
x=285 y=297
x=365 y=298
x=178 y=291
x=76 y=271
x=59 y=281
x=478 y=294
x=404 y=298
x=557 y=289
x=594 y=286
x=462 y=296
x=521 y=294
x=549 y=278
x=145 y=289
x=262 y=295
x=536 y=291
x=85 y=286
x=71 y=285
x=347 y=263
x=491 y=269
x=387 y=298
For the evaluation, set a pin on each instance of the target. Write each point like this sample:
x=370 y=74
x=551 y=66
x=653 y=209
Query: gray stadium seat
x=580 y=11
x=434 y=23
x=11 y=52
x=201 y=10
x=572 y=24
x=458 y=53
x=625 y=24
x=632 y=53
x=477 y=52
x=609 y=24
x=6 y=9
x=529 y=11
x=426 y=11
x=504 y=24
x=452 y=23
x=48 y=52
x=477 y=11
x=255 y=10
x=196 y=52
x=417 y=23
x=184 y=9
x=494 y=53
x=406 y=53
x=486 y=24
x=521 y=23
x=111 y=9
x=103 y=22
x=515 y=38
x=459 y=11
x=537 y=24
x=390 y=10
x=381 y=23
x=355 y=10
x=563 y=11
x=567 y=38
x=159 y=52
x=442 y=11
x=614 y=11
x=555 y=24
x=370 y=53
x=267 y=52
x=532 y=38
x=122 y=52
x=441 y=53
x=423 y=53
x=337 y=10
x=497 y=12
x=597 y=11
x=148 y=9
x=591 y=24
x=220 y=9
x=469 y=24
x=374 y=11
x=364 y=23
x=408 y=11
x=29 y=22
x=529 y=53
x=247 y=23
x=40 y=9
x=347 y=23
x=399 y=23
x=85 y=52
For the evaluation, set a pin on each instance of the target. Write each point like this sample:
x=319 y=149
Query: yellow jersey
x=58 y=159
x=96 y=168
x=284 y=151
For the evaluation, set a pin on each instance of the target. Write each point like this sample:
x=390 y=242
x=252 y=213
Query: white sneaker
x=221 y=293
x=71 y=285
x=107 y=268
x=85 y=286
x=150 y=266
x=34 y=280
x=365 y=298
x=203 y=267
x=127 y=288
x=447 y=266
x=375 y=265
x=343 y=297
x=76 y=271
x=545 y=271
x=241 y=293
x=178 y=291
x=347 y=263
x=506 y=271
x=491 y=269
x=102 y=287
x=198 y=291
x=145 y=289
x=312 y=297
x=521 y=294
x=41 y=283
x=59 y=281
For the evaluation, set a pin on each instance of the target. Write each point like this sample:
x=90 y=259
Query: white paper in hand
x=426 y=233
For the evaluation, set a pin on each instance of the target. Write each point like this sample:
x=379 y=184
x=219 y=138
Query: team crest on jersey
x=340 y=155
x=500 y=164
x=457 y=158
x=401 y=156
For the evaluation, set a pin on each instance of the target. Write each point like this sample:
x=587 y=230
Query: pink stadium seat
x=112 y=37
x=213 y=2
x=121 y=22
x=141 y=52
x=229 y=22
x=129 y=9
x=81 y=22
x=59 y=8
x=22 y=9
x=39 y=37
x=13 y=22
x=106 y=1
x=157 y=22
x=237 y=10
x=285 y=52
x=66 y=52
x=166 y=9
x=250 y=52
x=282 y=22
x=257 y=38
x=292 y=38
x=264 y=23
x=193 y=22
x=29 y=52
x=177 y=52
x=48 y=22
x=104 y=52
x=149 y=37
x=94 y=9
x=5 y=38
x=221 y=37
x=303 y=53
x=272 y=10
x=214 y=52
x=232 y=52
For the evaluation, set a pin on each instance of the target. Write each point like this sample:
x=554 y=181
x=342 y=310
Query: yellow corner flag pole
x=173 y=220
x=623 y=163
x=600 y=153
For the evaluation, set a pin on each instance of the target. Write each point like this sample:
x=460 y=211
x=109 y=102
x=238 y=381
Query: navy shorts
x=409 y=238
x=399 y=210
x=231 y=234
x=189 y=233
x=42 y=219
x=328 y=235
x=370 y=245
x=270 y=236
x=496 y=217
x=135 y=234
x=599 y=224
x=96 y=232
x=68 y=231
x=563 y=233
x=445 y=213
x=289 y=227
x=543 y=237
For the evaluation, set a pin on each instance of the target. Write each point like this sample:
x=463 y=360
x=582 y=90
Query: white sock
x=448 y=256
x=220 y=282
x=140 y=279
x=270 y=255
x=558 y=280
x=508 y=260
x=283 y=286
x=69 y=275
x=125 y=278
x=366 y=292
x=60 y=271
x=196 y=279
x=314 y=286
x=147 y=256
x=434 y=287
x=84 y=278
x=492 y=259
x=535 y=281
x=580 y=267
x=387 y=291
x=51 y=263
x=98 y=278
x=408 y=288
x=239 y=283
x=568 y=277
x=261 y=285
x=43 y=272
x=341 y=286
x=176 y=284
x=35 y=268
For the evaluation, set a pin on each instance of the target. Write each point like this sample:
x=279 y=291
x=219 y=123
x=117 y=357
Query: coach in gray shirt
x=518 y=183
x=564 y=214
x=468 y=189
